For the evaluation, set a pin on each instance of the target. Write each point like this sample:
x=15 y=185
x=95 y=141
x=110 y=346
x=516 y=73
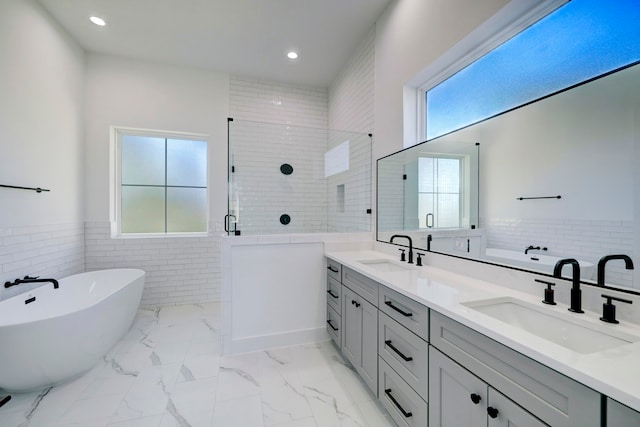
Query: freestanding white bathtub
x=48 y=336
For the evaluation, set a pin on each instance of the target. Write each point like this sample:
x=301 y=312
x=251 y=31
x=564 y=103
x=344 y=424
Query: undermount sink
x=559 y=328
x=384 y=265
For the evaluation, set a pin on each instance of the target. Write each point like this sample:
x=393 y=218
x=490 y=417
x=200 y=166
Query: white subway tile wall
x=352 y=108
x=580 y=239
x=261 y=193
x=352 y=94
x=275 y=124
x=55 y=250
x=180 y=270
x=271 y=102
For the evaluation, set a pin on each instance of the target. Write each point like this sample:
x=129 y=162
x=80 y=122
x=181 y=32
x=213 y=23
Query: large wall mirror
x=558 y=178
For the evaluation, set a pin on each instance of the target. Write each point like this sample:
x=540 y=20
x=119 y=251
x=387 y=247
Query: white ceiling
x=246 y=37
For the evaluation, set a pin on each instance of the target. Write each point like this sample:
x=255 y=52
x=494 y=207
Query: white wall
x=148 y=95
x=41 y=125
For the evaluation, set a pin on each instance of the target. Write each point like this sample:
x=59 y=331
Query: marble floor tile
x=168 y=372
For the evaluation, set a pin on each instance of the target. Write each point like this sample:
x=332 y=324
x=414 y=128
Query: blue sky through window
x=581 y=40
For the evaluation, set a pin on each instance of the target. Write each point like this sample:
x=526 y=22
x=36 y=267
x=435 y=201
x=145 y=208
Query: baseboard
x=265 y=342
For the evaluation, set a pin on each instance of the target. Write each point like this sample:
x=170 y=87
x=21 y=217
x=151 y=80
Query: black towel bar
x=545 y=197
x=37 y=190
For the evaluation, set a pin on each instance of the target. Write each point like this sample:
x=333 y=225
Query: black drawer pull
x=475 y=398
x=493 y=412
x=395 y=402
x=332 y=269
x=330 y=292
x=405 y=358
x=404 y=313
x=331 y=324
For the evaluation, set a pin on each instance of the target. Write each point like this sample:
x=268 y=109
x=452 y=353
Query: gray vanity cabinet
x=459 y=398
x=360 y=336
x=553 y=398
x=619 y=415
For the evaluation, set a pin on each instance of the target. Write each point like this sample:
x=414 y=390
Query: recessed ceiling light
x=98 y=21
x=292 y=55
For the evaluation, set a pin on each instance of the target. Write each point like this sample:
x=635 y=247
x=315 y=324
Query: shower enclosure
x=293 y=179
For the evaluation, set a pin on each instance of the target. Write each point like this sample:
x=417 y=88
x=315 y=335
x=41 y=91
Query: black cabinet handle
x=331 y=324
x=475 y=398
x=330 y=292
x=395 y=402
x=332 y=269
x=357 y=304
x=404 y=313
x=493 y=412
x=398 y=352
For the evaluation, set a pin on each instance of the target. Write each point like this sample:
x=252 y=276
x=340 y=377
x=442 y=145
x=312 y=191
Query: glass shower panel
x=142 y=210
x=186 y=210
x=278 y=180
x=142 y=160
x=186 y=163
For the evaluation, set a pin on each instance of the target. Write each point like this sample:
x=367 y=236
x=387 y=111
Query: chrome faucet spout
x=628 y=264
x=410 y=258
x=576 y=292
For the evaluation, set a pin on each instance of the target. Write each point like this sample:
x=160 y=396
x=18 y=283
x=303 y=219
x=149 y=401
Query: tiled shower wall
x=567 y=238
x=46 y=250
x=261 y=193
x=352 y=108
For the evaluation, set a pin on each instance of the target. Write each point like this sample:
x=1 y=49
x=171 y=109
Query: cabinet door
x=351 y=327
x=369 y=372
x=456 y=397
x=619 y=415
x=505 y=413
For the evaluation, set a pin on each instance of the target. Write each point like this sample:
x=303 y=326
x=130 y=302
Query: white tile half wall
x=55 y=250
x=180 y=270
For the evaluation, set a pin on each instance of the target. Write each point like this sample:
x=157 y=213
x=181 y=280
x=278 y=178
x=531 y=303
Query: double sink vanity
x=442 y=349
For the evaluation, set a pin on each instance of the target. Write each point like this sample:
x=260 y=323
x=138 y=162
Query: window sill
x=158 y=235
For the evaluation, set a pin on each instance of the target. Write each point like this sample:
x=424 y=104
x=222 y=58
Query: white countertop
x=614 y=372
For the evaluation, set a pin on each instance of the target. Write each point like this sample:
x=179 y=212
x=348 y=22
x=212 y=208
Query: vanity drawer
x=403 y=404
x=412 y=315
x=396 y=344
x=334 y=293
x=361 y=284
x=334 y=326
x=334 y=269
x=552 y=397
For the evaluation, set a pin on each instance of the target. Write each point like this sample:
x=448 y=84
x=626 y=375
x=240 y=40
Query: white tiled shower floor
x=168 y=372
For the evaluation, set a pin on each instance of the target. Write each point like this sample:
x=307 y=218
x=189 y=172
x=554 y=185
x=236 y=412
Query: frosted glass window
x=163 y=185
x=142 y=160
x=142 y=210
x=439 y=192
x=186 y=210
x=581 y=40
x=186 y=163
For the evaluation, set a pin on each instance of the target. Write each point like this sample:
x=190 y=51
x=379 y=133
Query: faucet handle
x=403 y=256
x=609 y=310
x=30 y=278
x=419 y=260
x=548 y=293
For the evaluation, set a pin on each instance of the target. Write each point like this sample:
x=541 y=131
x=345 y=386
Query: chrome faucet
x=576 y=292
x=410 y=260
x=28 y=279
x=628 y=264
